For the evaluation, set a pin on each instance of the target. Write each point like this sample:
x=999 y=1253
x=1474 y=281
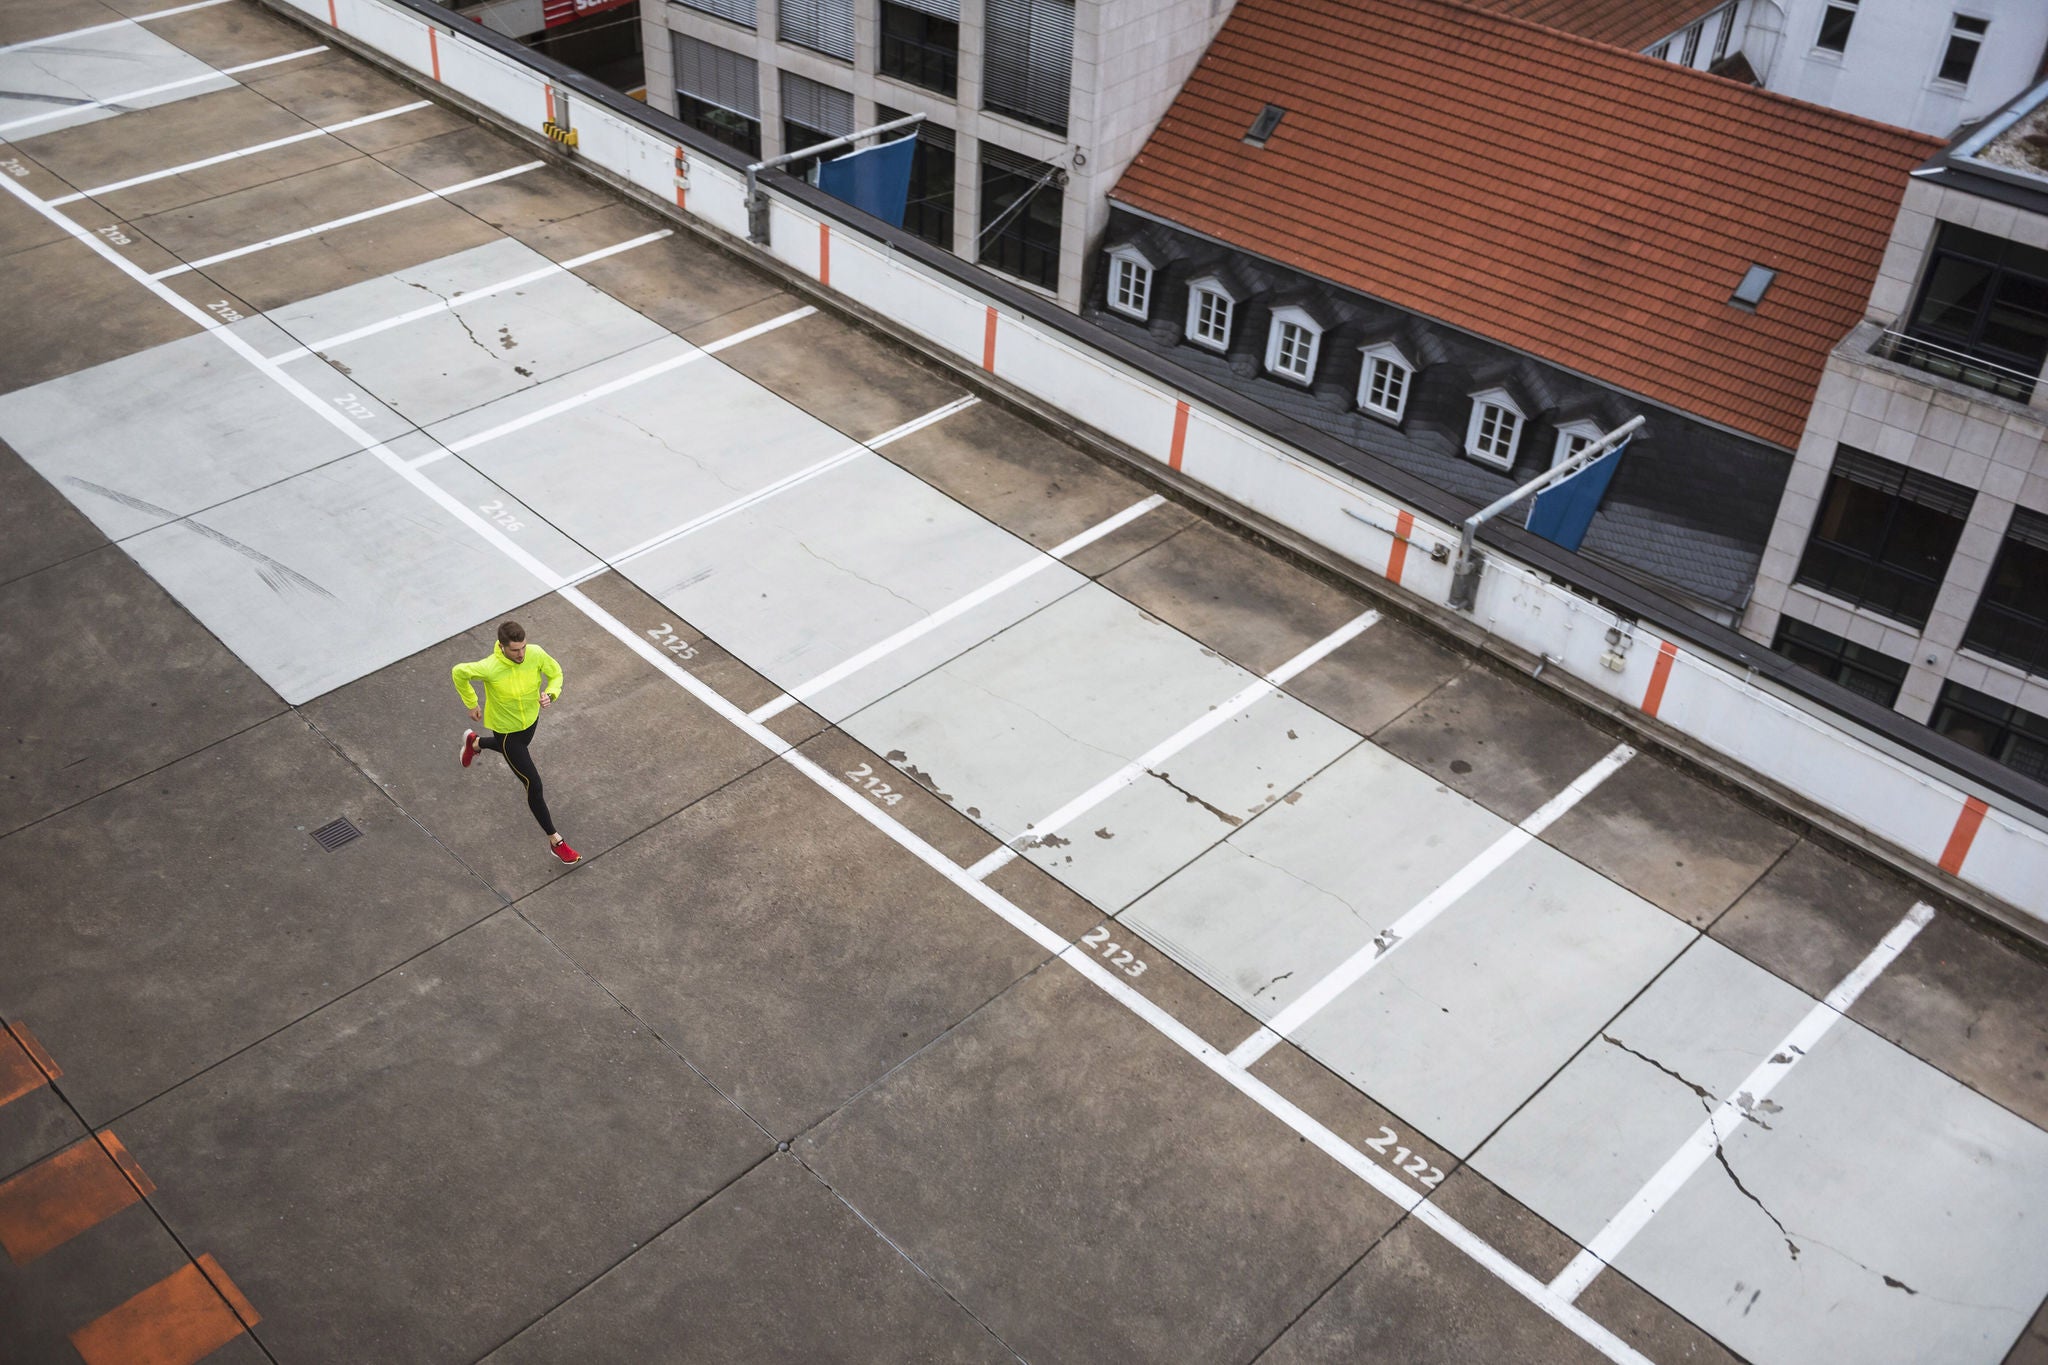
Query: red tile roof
x=1588 y=206
x=1633 y=24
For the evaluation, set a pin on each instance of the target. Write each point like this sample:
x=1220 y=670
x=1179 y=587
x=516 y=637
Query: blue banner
x=1563 y=511
x=876 y=179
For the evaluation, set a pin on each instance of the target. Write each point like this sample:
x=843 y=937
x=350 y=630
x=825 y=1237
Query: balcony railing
x=1960 y=366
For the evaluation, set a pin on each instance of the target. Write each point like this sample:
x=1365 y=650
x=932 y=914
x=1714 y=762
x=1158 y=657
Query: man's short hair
x=510 y=632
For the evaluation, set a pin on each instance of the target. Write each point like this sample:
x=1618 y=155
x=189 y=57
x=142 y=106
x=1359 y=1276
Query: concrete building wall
x=1130 y=58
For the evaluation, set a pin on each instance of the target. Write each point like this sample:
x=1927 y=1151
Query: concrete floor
x=1019 y=918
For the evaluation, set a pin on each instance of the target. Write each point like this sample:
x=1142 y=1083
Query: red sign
x=555 y=13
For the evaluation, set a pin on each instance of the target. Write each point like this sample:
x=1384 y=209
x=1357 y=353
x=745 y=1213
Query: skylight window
x=1263 y=126
x=1751 y=291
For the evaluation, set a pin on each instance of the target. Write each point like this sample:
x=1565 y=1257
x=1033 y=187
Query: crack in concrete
x=1294 y=876
x=663 y=442
x=805 y=546
x=448 y=303
x=1225 y=816
x=1696 y=1088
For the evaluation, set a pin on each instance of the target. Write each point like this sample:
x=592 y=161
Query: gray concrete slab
x=44 y=529
x=622 y=750
x=238 y=32
x=1032 y=483
x=182 y=427
x=60 y=85
x=2032 y=1347
x=1249 y=606
x=1373 y=680
x=62 y=1290
x=69 y=633
x=422 y=1169
x=331 y=574
x=844 y=376
x=34 y=1125
x=1274 y=910
x=1672 y=838
x=1496 y=740
x=930 y=815
x=22 y=227
x=1380 y=1134
x=1417 y=1300
x=138 y=985
x=775 y=1267
x=518 y=206
x=334 y=92
x=837 y=567
x=1051 y=1162
x=20 y=23
x=742 y=932
x=102 y=320
x=434 y=367
x=1943 y=1265
x=682 y=282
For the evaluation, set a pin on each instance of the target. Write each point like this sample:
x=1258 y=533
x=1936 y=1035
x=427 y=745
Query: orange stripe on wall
x=434 y=48
x=61 y=1196
x=551 y=104
x=182 y=1318
x=1397 y=557
x=332 y=20
x=1180 y=434
x=1661 y=674
x=1962 y=836
x=824 y=253
x=682 y=169
x=988 y=342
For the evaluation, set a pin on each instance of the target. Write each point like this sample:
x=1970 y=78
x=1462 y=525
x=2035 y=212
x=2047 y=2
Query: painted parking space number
x=1405 y=1161
x=866 y=779
x=14 y=168
x=112 y=232
x=665 y=636
x=225 y=311
x=497 y=511
x=1117 y=955
x=354 y=407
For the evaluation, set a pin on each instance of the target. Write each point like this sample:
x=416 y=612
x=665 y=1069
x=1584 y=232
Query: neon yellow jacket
x=511 y=691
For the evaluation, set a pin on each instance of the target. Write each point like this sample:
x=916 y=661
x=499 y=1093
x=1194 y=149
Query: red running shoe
x=566 y=853
x=468 y=746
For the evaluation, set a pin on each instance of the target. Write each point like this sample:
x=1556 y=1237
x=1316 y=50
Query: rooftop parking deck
x=1019 y=918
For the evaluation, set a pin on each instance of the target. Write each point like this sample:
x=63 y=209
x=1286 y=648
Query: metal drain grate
x=333 y=835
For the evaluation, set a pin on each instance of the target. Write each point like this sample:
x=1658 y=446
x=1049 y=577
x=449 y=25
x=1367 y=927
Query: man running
x=519 y=679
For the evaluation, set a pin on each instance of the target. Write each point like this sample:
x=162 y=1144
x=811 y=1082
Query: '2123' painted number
x=1118 y=955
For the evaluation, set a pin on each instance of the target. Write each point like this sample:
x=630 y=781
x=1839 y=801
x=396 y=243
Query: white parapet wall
x=1996 y=849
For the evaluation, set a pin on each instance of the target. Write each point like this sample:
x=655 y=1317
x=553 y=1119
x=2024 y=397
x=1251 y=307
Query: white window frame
x=1284 y=318
x=1484 y=402
x=1128 y=263
x=1210 y=287
x=1855 y=12
x=1941 y=82
x=1573 y=437
x=1388 y=354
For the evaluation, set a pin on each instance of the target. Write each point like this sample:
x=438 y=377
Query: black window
x=1965 y=36
x=2016 y=738
x=1987 y=297
x=1862 y=670
x=1884 y=535
x=1020 y=216
x=929 y=213
x=1029 y=67
x=1835 y=25
x=2011 y=621
x=718 y=92
x=822 y=25
x=920 y=46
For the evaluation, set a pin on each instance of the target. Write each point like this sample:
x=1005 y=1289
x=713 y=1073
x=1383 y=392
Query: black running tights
x=514 y=747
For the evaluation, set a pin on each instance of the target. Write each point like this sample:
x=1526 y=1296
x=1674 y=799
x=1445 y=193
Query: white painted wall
x=1887 y=71
x=1904 y=800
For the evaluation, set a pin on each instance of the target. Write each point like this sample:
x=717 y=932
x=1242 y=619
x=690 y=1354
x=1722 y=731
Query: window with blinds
x=822 y=25
x=715 y=76
x=816 y=106
x=740 y=12
x=1028 y=70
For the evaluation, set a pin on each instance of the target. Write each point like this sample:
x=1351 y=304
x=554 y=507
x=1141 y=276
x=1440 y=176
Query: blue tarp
x=876 y=179
x=1563 y=511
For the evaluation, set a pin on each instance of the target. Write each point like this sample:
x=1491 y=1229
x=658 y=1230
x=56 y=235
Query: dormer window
x=1383 y=381
x=1211 y=310
x=1573 y=437
x=1130 y=283
x=1292 y=344
x=1495 y=427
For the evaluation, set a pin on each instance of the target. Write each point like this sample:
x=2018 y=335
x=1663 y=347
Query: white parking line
x=462 y=298
x=222 y=74
x=1358 y=1163
x=118 y=23
x=953 y=610
x=366 y=214
x=781 y=485
x=1306 y=1005
x=1636 y=1214
x=238 y=153
x=1174 y=743
x=605 y=390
